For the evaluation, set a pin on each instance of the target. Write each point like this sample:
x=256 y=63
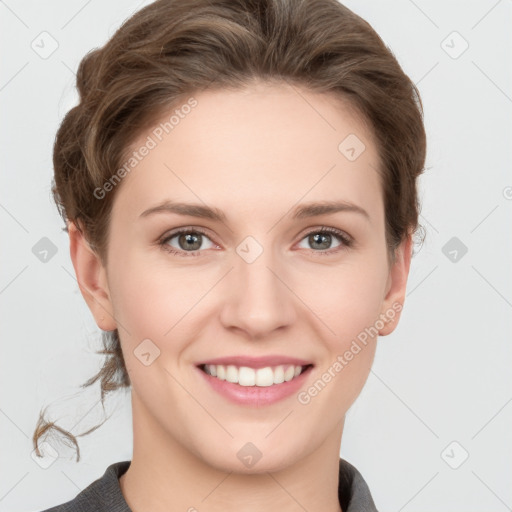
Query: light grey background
x=443 y=376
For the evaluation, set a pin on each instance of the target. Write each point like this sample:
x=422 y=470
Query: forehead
x=262 y=148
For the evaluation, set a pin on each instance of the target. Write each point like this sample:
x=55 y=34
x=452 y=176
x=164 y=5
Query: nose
x=256 y=298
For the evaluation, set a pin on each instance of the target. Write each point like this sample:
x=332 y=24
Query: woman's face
x=258 y=279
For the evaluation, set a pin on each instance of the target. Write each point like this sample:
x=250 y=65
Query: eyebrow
x=206 y=212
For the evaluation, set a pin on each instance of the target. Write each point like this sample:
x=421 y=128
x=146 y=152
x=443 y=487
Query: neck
x=165 y=474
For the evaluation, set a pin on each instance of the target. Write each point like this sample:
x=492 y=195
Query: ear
x=92 y=278
x=395 y=287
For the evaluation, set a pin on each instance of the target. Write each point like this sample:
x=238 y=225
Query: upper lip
x=256 y=362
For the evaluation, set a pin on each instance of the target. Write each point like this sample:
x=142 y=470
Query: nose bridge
x=259 y=301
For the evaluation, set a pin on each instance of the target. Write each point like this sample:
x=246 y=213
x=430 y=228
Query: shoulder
x=353 y=492
x=104 y=494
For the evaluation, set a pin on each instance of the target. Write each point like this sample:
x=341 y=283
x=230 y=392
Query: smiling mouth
x=255 y=377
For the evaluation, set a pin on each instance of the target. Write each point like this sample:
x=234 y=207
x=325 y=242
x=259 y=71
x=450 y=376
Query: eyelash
x=347 y=242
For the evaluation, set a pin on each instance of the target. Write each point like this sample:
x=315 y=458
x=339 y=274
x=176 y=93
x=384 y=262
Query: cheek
x=139 y=302
x=347 y=302
x=154 y=308
x=152 y=300
x=347 y=297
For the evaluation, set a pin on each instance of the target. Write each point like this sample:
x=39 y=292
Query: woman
x=238 y=182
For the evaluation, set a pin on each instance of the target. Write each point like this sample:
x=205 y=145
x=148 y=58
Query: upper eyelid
x=203 y=231
x=185 y=229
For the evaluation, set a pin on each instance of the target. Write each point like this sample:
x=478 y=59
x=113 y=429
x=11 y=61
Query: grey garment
x=104 y=494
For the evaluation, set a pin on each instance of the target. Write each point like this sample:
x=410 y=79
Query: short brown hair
x=173 y=48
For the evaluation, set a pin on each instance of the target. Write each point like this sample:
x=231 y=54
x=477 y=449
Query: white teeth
x=246 y=376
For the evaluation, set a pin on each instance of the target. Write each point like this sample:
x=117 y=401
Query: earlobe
x=396 y=287
x=92 y=278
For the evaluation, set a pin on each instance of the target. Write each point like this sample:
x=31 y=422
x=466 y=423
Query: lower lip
x=255 y=395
